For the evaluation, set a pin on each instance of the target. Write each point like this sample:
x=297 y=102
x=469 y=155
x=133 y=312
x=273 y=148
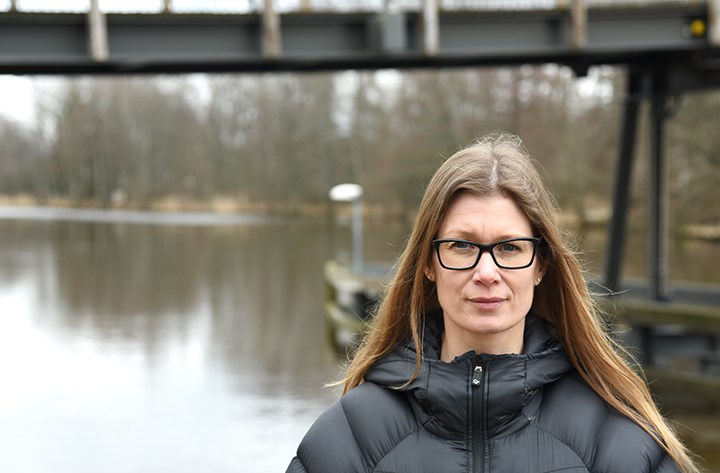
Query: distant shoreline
x=219 y=212
x=148 y=217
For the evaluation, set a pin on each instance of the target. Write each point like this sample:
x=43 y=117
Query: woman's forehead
x=471 y=213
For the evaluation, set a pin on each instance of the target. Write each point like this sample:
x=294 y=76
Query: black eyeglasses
x=514 y=253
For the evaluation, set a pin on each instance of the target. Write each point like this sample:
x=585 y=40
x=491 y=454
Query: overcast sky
x=16 y=98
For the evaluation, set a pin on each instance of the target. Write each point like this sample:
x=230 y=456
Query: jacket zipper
x=480 y=447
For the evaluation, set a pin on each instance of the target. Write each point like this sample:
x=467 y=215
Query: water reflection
x=146 y=348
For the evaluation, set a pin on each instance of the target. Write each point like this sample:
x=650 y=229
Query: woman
x=487 y=354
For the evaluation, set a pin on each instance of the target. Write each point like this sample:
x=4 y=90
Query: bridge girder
x=98 y=43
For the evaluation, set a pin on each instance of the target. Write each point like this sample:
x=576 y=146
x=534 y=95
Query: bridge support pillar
x=658 y=228
x=623 y=174
x=652 y=85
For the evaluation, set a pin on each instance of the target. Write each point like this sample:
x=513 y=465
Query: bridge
x=576 y=33
x=667 y=47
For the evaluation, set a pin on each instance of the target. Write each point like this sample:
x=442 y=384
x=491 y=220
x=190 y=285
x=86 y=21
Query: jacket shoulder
x=356 y=432
x=605 y=439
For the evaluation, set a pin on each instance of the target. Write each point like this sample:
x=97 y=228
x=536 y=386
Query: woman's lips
x=487 y=302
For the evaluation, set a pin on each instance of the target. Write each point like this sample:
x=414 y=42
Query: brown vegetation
x=241 y=143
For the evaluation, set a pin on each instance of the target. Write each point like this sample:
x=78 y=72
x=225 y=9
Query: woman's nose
x=486 y=271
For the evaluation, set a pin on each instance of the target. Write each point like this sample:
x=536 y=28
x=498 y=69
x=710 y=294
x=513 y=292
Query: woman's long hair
x=499 y=164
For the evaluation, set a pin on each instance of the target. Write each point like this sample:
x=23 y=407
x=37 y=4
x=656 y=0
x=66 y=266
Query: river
x=157 y=344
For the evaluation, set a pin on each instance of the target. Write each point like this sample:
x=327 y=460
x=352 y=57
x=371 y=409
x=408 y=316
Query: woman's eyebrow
x=469 y=235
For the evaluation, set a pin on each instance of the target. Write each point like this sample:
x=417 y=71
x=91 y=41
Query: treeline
x=279 y=142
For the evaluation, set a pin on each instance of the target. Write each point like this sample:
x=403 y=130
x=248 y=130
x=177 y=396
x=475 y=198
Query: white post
x=271 y=31
x=714 y=22
x=353 y=193
x=431 y=30
x=98 y=33
x=578 y=25
x=357 y=236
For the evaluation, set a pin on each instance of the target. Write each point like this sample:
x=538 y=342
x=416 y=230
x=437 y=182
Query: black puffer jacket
x=529 y=413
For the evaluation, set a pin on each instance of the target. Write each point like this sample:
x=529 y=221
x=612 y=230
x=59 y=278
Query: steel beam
x=164 y=42
x=658 y=229
x=623 y=177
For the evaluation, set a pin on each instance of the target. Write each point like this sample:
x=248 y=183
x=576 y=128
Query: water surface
x=145 y=348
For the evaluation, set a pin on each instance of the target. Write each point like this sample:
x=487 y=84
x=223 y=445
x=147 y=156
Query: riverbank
x=228 y=205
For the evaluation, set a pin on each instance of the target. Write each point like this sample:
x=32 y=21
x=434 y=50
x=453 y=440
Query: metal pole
x=357 y=236
x=714 y=22
x=657 y=237
x=271 y=31
x=579 y=25
x=623 y=174
x=98 y=40
x=431 y=30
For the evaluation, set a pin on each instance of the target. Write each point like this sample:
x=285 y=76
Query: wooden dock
x=677 y=341
x=350 y=300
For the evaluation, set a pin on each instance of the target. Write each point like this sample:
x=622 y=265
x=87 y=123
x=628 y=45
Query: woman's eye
x=460 y=245
x=509 y=248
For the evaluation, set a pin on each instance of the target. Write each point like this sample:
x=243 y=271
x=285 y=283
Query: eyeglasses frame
x=483 y=248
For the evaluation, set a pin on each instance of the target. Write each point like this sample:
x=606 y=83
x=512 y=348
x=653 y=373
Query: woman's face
x=484 y=307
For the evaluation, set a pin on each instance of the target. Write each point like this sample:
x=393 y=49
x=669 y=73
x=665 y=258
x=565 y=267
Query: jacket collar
x=441 y=395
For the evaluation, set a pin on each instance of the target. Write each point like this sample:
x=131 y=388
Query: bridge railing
x=282 y=6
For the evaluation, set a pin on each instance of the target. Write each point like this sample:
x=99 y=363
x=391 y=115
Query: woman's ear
x=430 y=273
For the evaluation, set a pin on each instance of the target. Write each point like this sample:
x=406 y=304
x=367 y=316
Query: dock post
x=353 y=193
x=357 y=236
